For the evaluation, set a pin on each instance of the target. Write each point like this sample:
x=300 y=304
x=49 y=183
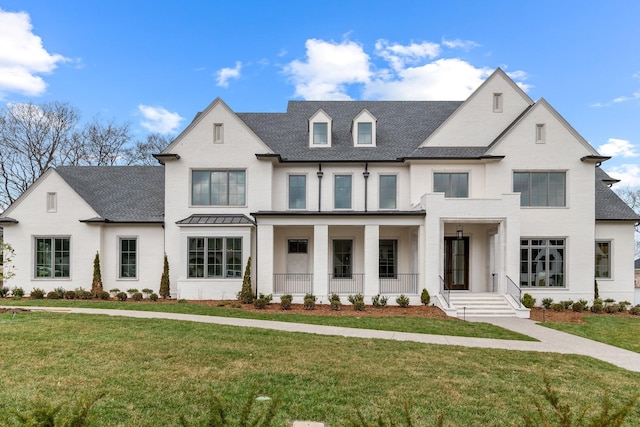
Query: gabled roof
x=610 y=207
x=119 y=193
x=637 y=264
x=401 y=127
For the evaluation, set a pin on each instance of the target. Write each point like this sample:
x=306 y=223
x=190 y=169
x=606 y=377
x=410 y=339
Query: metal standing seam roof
x=609 y=206
x=217 y=219
x=119 y=193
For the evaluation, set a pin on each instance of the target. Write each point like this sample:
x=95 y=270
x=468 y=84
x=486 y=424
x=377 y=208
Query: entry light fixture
x=459 y=234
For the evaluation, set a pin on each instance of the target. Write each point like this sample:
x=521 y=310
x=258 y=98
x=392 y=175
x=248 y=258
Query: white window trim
x=364 y=117
x=119 y=252
x=320 y=117
x=218 y=133
x=611 y=275
x=379 y=192
x=306 y=192
x=350 y=208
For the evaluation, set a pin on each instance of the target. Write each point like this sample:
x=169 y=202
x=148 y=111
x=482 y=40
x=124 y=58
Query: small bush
x=309 y=302
x=17 y=292
x=357 y=301
x=596 y=307
x=585 y=304
x=611 y=308
x=153 y=297
x=567 y=304
x=403 y=301
x=136 y=296
x=36 y=293
x=547 y=303
x=379 y=301
x=147 y=292
x=104 y=295
x=262 y=301
x=577 y=307
x=70 y=295
x=286 y=301
x=3 y=291
x=334 y=301
x=114 y=291
x=425 y=298
x=558 y=307
x=528 y=301
x=81 y=293
x=624 y=305
x=132 y=291
x=635 y=310
x=52 y=295
x=122 y=296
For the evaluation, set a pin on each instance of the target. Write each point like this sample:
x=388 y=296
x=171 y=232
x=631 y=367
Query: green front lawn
x=623 y=332
x=393 y=323
x=154 y=371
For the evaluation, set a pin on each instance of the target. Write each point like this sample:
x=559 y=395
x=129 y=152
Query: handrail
x=445 y=291
x=515 y=291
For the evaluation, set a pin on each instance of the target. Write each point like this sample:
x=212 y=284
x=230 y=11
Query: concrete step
x=481 y=305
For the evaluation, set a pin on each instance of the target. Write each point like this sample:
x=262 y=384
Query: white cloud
x=396 y=72
x=226 y=74
x=618 y=147
x=460 y=44
x=328 y=68
x=159 y=119
x=628 y=174
x=23 y=56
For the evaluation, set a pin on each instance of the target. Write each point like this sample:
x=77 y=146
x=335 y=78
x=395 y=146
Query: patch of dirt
x=12 y=310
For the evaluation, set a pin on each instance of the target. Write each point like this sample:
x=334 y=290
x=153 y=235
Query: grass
x=154 y=371
x=392 y=323
x=619 y=331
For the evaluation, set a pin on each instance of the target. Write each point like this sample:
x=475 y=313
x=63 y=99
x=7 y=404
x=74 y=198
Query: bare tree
x=631 y=196
x=100 y=143
x=142 y=152
x=32 y=139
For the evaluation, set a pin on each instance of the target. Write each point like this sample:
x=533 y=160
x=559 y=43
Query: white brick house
x=465 y=198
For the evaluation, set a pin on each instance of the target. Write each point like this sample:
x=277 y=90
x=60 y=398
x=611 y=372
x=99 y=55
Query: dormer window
x=364 y=129
x=320 y=129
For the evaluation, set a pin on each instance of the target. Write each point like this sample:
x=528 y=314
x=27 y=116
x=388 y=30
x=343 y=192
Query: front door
x=456 y=263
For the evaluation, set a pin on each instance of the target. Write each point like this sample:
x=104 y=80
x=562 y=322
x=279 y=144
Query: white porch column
x=265 y=259
x=321 y=261
x=371 y=259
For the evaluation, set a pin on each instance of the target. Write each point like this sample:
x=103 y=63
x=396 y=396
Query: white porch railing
x=293 y=283
x=406 y=283
x=346 y=284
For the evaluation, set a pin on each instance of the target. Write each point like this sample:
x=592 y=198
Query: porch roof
x=213 y=219
x=339 y=213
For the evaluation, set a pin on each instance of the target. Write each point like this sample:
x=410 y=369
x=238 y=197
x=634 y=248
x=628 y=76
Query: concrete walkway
x=550 y=340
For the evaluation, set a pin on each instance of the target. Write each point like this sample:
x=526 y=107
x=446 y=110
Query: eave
x=595 y=159
x=161 y=158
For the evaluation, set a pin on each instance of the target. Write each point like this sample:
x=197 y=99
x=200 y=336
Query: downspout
x=366 y=180
x=319 y=173
x=255 y=265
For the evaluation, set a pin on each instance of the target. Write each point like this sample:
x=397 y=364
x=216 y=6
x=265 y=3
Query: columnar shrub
x=379 y=301
x=403 y=301
x=96 y=284
x=357 y=301
x=425 y=298
x=245 y=296
x=165 y=288
x=528 y=301
x=285 y=301
x=309 y=302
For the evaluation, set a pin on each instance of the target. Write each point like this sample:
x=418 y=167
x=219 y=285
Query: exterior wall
x=197 y=151
x=421 y=178
x=621 y=235
x=34 y=220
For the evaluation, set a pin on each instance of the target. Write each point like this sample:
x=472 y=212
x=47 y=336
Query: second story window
x=540 y=188
x=218 y=188
x=342 y=192
x=388 y=192
x=320 y=133
x=297 y=191
x=451 y=184
x=365 y=134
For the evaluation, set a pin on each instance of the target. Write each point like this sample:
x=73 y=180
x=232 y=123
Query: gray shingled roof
x=401 y=127
x=119 y=193
x=610 y=207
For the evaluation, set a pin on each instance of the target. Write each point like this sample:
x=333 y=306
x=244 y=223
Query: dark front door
x=456 y=263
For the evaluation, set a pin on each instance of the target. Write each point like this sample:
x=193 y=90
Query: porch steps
x=481 y=305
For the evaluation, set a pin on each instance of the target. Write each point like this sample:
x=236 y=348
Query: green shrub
x=122 y=296
x=547 y=303
x=153 y=297
x=577 y=307
x=609 y=301
x=104 y=295
x=262 y=301
x=52 y=295
x=165 y=285
x=567 y=304
x=528 y=301
x=403 y=301
x=136 y=296
x=70 y=295
x=334 y=301
x=425 y=298
x=147 y=292
x=245 y=296
x=624 y=305
x=43 y=413
x=286 y=301
x=379 y=301
x=558 y=307
x=36 y=293
x=3 y=291
x=597 y=306
x=83 y=294
x=96 y=283
x=309 y=302
x=585 y=304
x=17 y=292
x=635 y=310
x=357 y=301
x=611 y=308
x=114 y=291
x=132 y=291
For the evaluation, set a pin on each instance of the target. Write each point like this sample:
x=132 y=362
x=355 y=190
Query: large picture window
x=128 y=258
x=388 y=192
x=540 y=188
x=451 y=184
x=297 y=191
x=388 y=259
x=218 y=187
x=542 y=262
x=603 y=260
x=215 y=257
x=52 y=257
x=342 y=192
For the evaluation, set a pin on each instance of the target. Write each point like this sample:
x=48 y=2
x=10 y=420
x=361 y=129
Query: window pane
x=196 y=257
x=128 y=258
x=320 y=133
x=364 y=133
x=298 y=246
x=521 y=185
x=603 y=263
x=234 y=257
x=540 y=188
x=214 y=257
x=342 y=258
x=388 y=191
x=557 y=189
x=200 y=188
x=451 y=184
x=297 y=191
x=387 y=262
x=342 y=192
x=542 y=263
x=218 y=188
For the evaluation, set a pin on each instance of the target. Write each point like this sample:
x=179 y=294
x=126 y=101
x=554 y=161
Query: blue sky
x=155 y=64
